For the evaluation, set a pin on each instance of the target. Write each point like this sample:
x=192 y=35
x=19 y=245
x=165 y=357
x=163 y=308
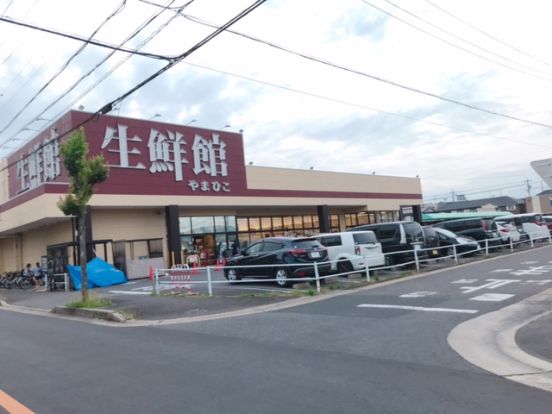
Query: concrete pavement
x=513 y=342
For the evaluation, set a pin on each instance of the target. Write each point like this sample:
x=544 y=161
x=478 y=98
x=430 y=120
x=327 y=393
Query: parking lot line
x=417 y=308
x=13 y=406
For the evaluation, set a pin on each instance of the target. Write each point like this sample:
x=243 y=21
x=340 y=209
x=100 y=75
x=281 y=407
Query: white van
x=531 y=223
x=352 y=250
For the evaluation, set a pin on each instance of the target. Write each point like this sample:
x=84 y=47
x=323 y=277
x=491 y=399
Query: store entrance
x=209 y=247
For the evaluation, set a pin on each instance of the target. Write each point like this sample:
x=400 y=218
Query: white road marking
x=502 y=270
x=463 y=281
x=492 y=297
x=539 y=282
x=417 y=308
x=127 y=292
x=417 y=294
x=493 y=284
x=532 y=271
x=530 y=262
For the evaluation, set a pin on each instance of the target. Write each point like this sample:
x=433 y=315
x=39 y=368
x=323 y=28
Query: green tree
x=83 y=173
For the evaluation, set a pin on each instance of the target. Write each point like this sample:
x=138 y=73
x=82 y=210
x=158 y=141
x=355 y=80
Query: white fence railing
x=183 y=275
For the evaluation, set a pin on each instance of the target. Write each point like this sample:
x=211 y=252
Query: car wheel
x=282 y=275
x=344 y=267
x=232 y=275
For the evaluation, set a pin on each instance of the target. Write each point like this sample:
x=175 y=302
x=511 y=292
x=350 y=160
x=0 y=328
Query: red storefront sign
x=145 y=157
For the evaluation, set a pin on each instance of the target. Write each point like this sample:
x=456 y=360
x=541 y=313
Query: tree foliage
x=84 y=174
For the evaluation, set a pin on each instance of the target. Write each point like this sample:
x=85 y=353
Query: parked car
x=507 y=231
x=431 y=241
x=272 y=254
x=399 y=236
x=464 y=245
x=531 y=223
x=480 y=229
x=548 y=221
x=353 y=250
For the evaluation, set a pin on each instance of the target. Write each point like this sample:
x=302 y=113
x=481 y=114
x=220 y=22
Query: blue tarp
x=100 y=274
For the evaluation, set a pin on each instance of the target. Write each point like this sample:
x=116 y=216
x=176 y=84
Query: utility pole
x=528 y=188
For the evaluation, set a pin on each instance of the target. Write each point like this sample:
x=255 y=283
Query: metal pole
x=549 y=238
x=455 y=255
x=317 y=276
x=511 y=245
x=66 y=281
x=209 y=286
x=486 y=247
x=416 y=260
x=367 y=273
x=532 y=242
x=156 y=282
x=46 y=284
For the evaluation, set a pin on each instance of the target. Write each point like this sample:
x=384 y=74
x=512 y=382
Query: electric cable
x=453 y=44
x=462 y=39
x=109 y=106
x=63 y=67
x=496 y=39
x=378 y=78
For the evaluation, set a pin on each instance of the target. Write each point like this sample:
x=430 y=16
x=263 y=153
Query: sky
x=391 y=87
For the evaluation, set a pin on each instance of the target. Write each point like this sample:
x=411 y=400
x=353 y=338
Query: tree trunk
x=82 y=248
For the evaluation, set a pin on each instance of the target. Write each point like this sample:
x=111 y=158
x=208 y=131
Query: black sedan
x=279 y=258
x=464 y=245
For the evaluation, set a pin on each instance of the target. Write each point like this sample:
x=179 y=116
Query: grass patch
x=91 y=303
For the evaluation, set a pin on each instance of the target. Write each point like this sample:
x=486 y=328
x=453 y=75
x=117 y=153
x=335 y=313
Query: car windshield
x=413 y=232
x=364 y=238
x=447 y=233
x=305 y=243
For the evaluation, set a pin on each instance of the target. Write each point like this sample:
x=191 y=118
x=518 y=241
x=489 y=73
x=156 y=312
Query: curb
x=489 y=342
x=104 y=314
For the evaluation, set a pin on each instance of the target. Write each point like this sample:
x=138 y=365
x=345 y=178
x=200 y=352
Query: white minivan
x=531 y=223
x=352 y=250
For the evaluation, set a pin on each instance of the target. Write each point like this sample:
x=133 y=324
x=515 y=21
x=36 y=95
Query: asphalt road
x=389 y=355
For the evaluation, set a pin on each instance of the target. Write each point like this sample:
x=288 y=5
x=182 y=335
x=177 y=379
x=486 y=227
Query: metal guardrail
x=184 y=279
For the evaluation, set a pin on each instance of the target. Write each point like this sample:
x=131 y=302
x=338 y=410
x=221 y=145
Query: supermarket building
x=172 y=191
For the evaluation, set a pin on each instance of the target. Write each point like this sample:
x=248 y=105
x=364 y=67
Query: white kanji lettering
x=23 y=174
x=193 y=184
x=166 y=152
x=50 y=157
x=120 y=134
x=35 y=167
x=210 y=156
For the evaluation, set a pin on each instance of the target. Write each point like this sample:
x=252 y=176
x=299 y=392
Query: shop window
x=230 y=224
x=277 y=223
x=243 y=224
x=255 y=236
x=187 y=244
x=201 y=225
x=288 y=223
x=307 y=221
x=372 y=218
x=363 y=218
x=155 y=248
x=219 y=224
x=185 y=225
x=266 y=223
x=298 y=222
x=334 y=221
x=254 y=224
x=315 y=222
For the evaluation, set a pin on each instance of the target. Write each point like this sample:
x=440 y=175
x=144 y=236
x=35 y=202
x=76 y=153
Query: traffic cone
x=151 y=273
x=195 y=269
x=218 y=266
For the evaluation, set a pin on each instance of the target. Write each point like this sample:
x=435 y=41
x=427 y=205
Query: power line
x=112 y=69
x=522 y=184
x=462 y=39
x=453 y=44
x=379 y=78
x=84 y=39
x=109 y=106
x=63 y=67
x=496 y=39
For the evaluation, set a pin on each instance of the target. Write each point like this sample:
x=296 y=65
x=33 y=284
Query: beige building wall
x=269 y=178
